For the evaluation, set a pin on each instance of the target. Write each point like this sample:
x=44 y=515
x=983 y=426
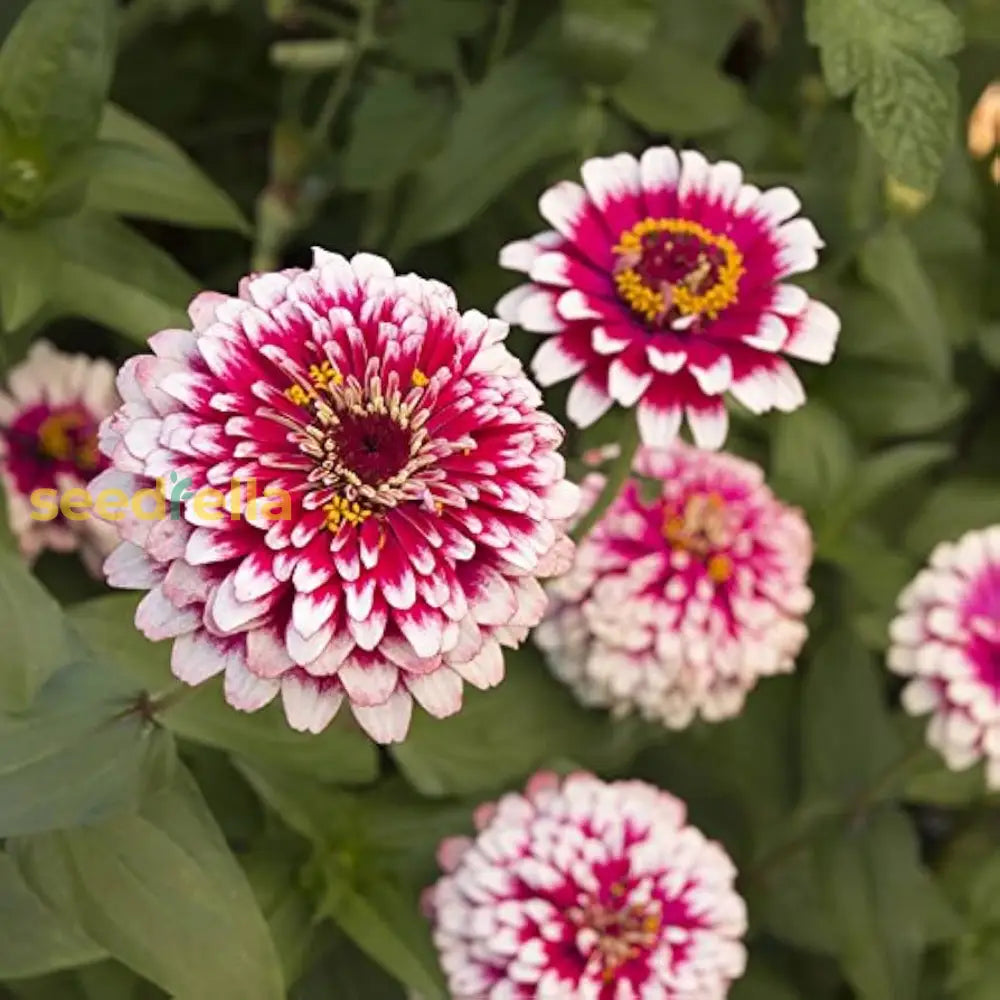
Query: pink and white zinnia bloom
x=690 y=588
x=662 y=283
x=584 y=890
x=48 y=441
x=946 y=638
x=417 y=486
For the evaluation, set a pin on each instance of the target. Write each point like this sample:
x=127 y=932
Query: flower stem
x=618 y=475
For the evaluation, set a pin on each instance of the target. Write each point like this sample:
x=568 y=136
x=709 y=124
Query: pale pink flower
x=946 y=638
x=584 y=890
x=421 y=480
x=662 y=283
x=49 y=417
x=690 y=588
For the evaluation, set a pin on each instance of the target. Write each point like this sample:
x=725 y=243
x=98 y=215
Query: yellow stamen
x=322 y=376
x=339 y=509
x=418 y=378
x=685 y=295
x=54 y=437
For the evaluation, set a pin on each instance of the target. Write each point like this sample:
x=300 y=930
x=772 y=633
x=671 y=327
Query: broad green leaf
x=812 y=457
x=156 y=180
x=982 y=21
x=503 y=735
x=603 y=40
x=521 y=114
x=385 y=922
x=884 y=906
x=35 y=641
x=36 y=940
x=953 y=508
x=848 y=742
x=394 y=128
x=27 y=263
x=880 y=401
x=425 y=35
x=110 y=274
x=162 y=893
x=889 y=263
x=341 y=753
x=55 y=70
x=891 y=52
x=877 y=476
x=82 y=753
x=673 y=89
x=347 y=973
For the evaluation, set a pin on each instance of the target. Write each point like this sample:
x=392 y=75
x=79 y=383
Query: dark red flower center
x=45 y=440
x=669 y=268
x=372 y=445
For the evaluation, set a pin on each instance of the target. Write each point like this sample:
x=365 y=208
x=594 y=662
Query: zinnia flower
x=662 y=283
x=584 y=890
x=947 y=639
x=690 y=588
x=414 y=486
x=48 y=441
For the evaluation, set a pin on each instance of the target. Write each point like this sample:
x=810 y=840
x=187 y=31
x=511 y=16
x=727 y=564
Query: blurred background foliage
x=159 y=845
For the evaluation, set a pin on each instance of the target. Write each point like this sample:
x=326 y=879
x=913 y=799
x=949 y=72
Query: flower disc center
x=701 y=527
x=371 y=445
x=616 y=934
x=671 y=268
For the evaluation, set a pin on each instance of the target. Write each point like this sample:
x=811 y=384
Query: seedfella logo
x=180 y=490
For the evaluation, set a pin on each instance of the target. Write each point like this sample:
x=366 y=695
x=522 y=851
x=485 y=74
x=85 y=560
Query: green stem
x=501 y=37
x=363 y=37
x=618 y=475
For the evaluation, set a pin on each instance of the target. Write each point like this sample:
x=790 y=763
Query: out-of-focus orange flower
x=984 y=128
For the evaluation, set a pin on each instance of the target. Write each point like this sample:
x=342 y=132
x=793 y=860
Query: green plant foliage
x=154 y=842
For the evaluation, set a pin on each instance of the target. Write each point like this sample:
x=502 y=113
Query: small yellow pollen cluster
x=686 y=296
x=321 y=376
x=54 y=439
x=418 y=378
x=339 y=509
x=701 y=529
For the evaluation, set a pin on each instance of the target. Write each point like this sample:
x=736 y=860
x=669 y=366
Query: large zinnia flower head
x=414 y=486
x=584 y=890
x=48 y=441
x=662 y=283
x=946 y=638
x=690 y=588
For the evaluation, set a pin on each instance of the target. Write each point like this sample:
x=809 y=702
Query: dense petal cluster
x=48 y=441
x=662 y=283
x=690 y=588
x=412 y=489
x=584 y=890
x=946 y=638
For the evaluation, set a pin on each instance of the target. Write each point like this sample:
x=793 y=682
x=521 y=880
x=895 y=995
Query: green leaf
x=162 y=893
x=36 y=939
x=877 y=476
x=340 y=753
x=27 y=262
x=392 y=107
x=674 y=89
x=425 y=35
x=603 y=40
x=82 y=753
x=136 y=171
x=848 y=741
x=518 y=116
x=110 y=274
x=812 y=457
x=35 y=641
x=889 y=263
x=762 y=983
x=891 y=52
x=955 y=507
x=881 y=401
x=385 y=922
x=55 y=70
x=504 y=734
x=347 y=973
x=885 y=907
